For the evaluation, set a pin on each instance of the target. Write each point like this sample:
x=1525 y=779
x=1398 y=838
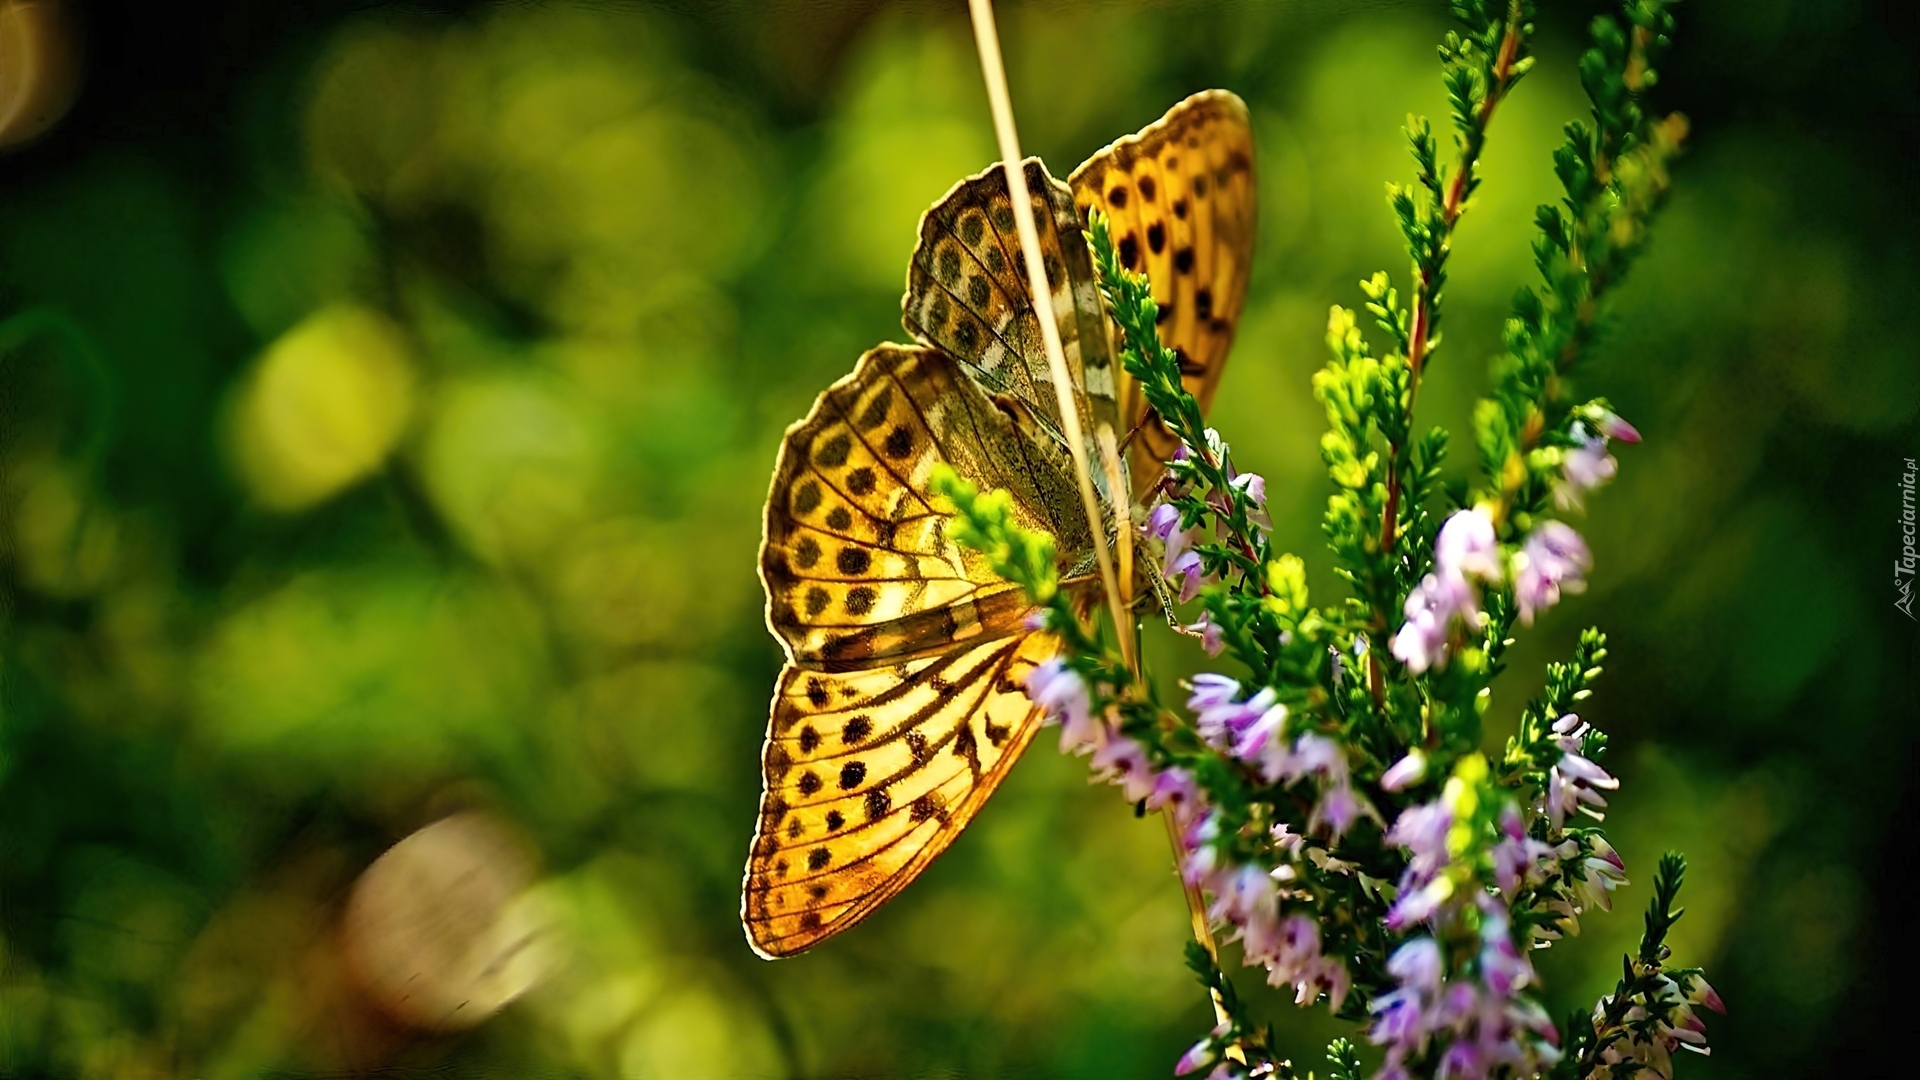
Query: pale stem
x=987 y=37
x=1123 y=539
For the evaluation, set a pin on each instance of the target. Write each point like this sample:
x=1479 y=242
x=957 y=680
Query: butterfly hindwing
x=871 y=774
x=1180 y=198
x=900 y=707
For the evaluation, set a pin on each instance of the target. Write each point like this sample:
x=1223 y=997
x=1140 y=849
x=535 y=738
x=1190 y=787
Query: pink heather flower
x=1613 y=427
x=1583 y=468
x=1554 y=558
x=1408 y=770
x=1292 y=957
x=1570 y=732
x=1418 y=965
x=1399 y=1024
x=1203 y=1053
x=1588 y=465
x=1674 y=1025
x=1163 y=521
x=1285 y=839
x=1223 y=722
x=1575 y=784
x=1254 y=486
x=1208 y=632
x=1462 y=1059
x=1418 y=905
x=1422 y=830
x=1061 y=691
x=1257 y=740
x=1467 y=547
x=1174 y=788
x=1599 y=875
x=1430 y=608
x=1318 y=754
x=1245 y=895
x=1502 y=966
x=1188 y=569
x=1210 y=690
x=1696 y=991
x=1202 y=863
x=1122 y=761
x=1175 y=792
x=1331 y=977
x=1338 y=808
x=1517 y=857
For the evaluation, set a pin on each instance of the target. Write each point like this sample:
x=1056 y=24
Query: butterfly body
x=901 y=705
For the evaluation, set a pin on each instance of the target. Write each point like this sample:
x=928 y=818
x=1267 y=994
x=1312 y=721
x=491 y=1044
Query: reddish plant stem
x=1417 y=344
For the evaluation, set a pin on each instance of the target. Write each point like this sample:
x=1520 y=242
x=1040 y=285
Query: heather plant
x=1333 y=808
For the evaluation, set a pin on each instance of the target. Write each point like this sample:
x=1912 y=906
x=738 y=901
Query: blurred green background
x=389 y=396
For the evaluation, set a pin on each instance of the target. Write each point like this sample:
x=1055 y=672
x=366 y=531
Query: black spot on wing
x=875 y=413
x=833 y=452
x=860 y=600
x=806 y=553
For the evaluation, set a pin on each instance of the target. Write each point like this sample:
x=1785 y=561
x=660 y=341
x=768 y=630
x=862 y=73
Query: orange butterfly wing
x=1180 y=197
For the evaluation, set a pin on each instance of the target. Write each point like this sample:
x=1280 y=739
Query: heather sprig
x=1614 y=172
x=1332 y=809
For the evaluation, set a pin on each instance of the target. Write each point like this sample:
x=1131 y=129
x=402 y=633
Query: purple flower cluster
x=1248 y=897
x=1554 y=559
x=1479 y=1017
x=1465 y=552
x=1484 y=1024
x=1657 y=1026
x=1255 y=731
x=1118 y=759
x=1181 y=563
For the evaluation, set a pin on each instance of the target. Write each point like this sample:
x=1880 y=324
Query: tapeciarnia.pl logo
x=1903 y=567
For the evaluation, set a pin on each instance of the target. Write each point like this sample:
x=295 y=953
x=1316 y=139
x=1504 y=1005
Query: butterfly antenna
x=987 y=36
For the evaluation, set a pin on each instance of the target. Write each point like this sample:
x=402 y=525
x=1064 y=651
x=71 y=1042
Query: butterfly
x=901 y=705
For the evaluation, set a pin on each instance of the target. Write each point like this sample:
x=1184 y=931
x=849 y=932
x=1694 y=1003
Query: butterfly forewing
x=1180 y=197
x=901 y=705
x=967 y=293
